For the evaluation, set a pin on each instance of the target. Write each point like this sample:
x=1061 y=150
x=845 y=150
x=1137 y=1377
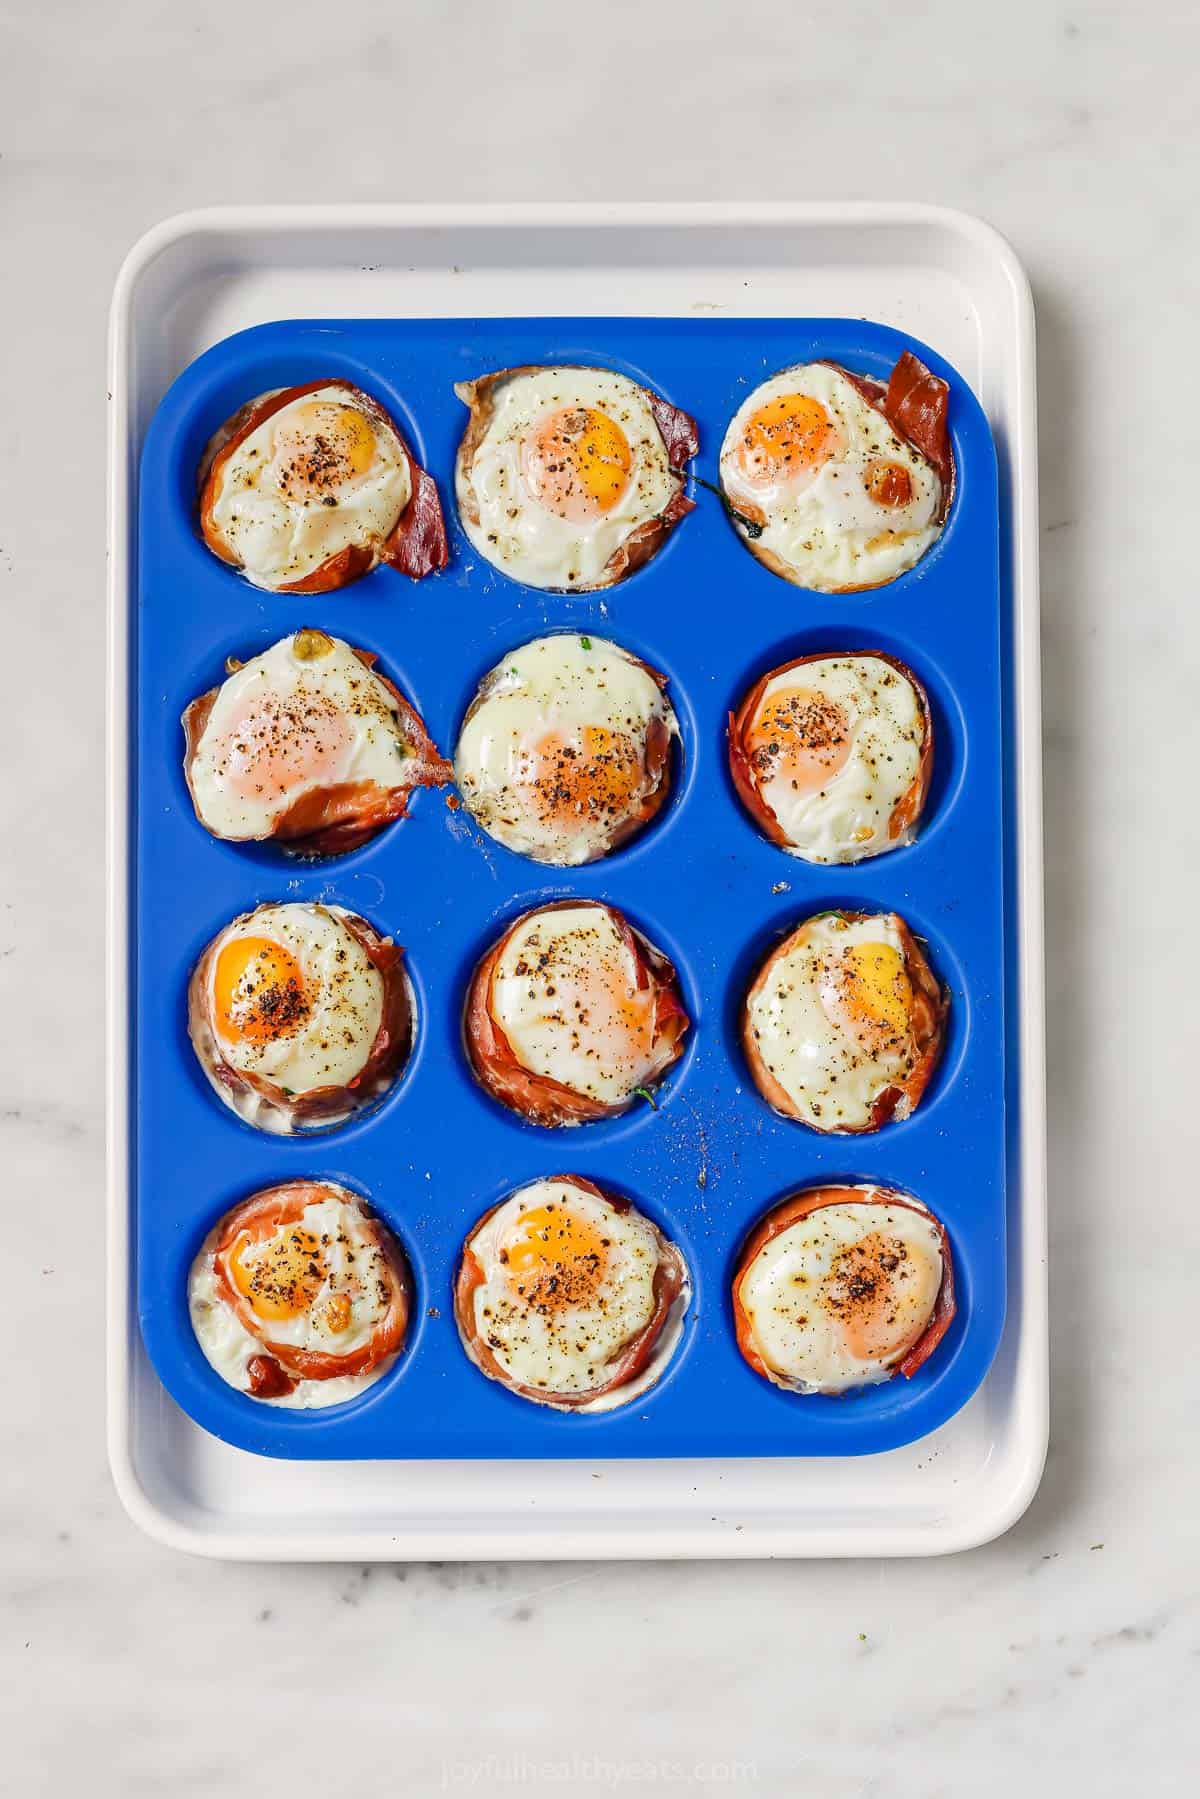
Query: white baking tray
x=947 y=279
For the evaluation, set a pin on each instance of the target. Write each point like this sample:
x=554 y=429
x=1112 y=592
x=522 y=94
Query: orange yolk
x=280 y=1277
x=596 y=776
x=612 y=1020
x=321 y=445
x=786 y=441
x=576 y=463
x=888 y=483
x=865 y=990
x=555 y=1259
x=800 y=737
x=865 y=1291
x=282 y=742
x=259 y=991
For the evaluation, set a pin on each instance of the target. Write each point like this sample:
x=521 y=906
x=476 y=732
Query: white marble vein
x=1063 y=1658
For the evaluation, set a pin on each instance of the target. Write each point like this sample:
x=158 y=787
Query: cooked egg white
x=320 y=474
x=552 y=758
x=566 y=996
x=572 y=462
x=305 y=715
x=834 y=747
x=832 y=1018
x=845 y=500
x=838 y=1299
x=350 y=1289
x=568 y=1284
x=291 y=995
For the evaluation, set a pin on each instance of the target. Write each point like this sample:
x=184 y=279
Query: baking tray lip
x=618 y=1539
x=590 y=215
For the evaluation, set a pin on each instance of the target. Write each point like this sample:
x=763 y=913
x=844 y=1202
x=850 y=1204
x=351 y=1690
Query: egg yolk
x=285 y=741
x=280 y=1277
x=583 y=986
x=259 y=991
x=786 y=441
x=321 y=445
x=865 y=990
x=594 y=777
x=611 y=1020
x=888 y=483
x=800 y=737
x=576 y=463
x=554 y=1259
x=877 y=1295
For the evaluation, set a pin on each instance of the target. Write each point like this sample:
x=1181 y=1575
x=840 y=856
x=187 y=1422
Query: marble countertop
x=1068 y=1650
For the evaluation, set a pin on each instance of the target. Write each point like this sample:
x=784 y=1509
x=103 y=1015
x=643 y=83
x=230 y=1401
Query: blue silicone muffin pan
x=710 y=1157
